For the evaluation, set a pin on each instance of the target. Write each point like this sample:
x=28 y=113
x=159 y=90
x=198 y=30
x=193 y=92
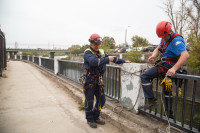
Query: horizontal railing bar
x=71 y=61
x=186 y=76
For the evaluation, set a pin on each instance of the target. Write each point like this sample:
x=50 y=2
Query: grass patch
x=81 y=107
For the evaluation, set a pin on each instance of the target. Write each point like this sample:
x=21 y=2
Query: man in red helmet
x=173 y=56
x=95 y=60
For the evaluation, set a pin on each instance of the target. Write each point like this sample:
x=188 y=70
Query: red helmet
x=95 y=39
x=163 y=29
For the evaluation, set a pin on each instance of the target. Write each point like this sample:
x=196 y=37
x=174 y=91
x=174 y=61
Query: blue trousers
x=146 y=80
x=92 y=113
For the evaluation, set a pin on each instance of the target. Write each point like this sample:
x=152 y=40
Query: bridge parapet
x=122 y=83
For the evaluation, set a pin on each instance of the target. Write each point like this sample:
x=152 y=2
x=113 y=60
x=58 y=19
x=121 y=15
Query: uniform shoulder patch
x=178 y=42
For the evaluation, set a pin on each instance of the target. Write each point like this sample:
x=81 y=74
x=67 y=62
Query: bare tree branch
x=178 y=17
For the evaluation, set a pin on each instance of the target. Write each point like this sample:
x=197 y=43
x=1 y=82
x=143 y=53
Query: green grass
x=81 y=106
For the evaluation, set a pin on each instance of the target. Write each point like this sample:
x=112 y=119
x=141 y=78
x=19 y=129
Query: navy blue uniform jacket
x=94 y=64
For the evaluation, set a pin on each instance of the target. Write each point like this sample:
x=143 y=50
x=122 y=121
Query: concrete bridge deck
x=31 y=103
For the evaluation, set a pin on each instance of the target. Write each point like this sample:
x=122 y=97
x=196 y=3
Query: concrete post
x=120 y=56
x=8 y=55
x=12 y=55
x=15 y=57
x=33 y=58
x=132 y=96
x=20 y=57
x=143 y=57
x=56 y=64
x=40 y=60
x=28 y=57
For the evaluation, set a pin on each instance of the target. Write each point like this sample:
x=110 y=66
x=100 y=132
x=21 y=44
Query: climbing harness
x=100 y=84
x=162 y=70
x=98 y=79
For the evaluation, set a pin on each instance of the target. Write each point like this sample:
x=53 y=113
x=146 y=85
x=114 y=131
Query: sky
x=62 y=23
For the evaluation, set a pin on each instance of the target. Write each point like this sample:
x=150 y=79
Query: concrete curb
x=112 y=112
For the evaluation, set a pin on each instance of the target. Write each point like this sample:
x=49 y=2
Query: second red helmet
x=95 y=38
x=163 y=28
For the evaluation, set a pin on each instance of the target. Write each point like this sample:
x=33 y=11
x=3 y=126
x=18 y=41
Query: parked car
x=116 y=50
x=149 y=49
x=122 y=50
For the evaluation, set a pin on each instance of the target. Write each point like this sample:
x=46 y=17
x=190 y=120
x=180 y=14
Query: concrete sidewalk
x=31 y=103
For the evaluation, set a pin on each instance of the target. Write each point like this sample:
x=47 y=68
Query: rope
x=169 y=126
x=135 y=73
x=131 y=108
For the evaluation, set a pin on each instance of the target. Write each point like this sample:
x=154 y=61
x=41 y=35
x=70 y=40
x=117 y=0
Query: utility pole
x=126 y=44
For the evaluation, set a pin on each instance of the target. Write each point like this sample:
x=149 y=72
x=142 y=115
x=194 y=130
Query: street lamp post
x=125 y=37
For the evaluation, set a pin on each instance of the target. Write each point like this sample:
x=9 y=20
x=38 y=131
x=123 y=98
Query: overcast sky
x=62 y=23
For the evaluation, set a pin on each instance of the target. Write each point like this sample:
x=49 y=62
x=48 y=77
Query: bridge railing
x=74 y=70
x=3 y=63
x=12 y=57
x=18 y=57
x=36 y=60
x=31 y=58
x=186 y=111
x=24 y=57
x=48 y=63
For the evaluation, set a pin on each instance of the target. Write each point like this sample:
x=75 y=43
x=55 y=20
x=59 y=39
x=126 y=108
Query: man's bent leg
x=146 y=80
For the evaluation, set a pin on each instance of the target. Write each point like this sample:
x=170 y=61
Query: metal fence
x=18 y=57
x=186 y=112
x=36 y=60
x=24 y=57
x=74 y=70
x=3 y=64
x=186 y=109
x=12 y=57
x=70 y=69
x=48 y=63
x=112 y=81
x=31 y=58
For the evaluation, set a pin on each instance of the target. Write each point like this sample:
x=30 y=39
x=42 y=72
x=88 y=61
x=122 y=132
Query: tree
x=194 y=14
x=178 y=18
x=77 y=49
x=74 y=47
x=134 y=57
x=84 y=47
x=194 y=60
x=108 y=42
x=187 y=17
x=139 y=41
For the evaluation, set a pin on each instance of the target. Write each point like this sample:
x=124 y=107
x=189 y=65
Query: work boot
x=152 y=103
x=92 y=124
x=101 y=122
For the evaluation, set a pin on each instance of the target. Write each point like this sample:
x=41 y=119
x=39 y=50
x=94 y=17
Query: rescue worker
x=95 y=60
x=173 y=56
